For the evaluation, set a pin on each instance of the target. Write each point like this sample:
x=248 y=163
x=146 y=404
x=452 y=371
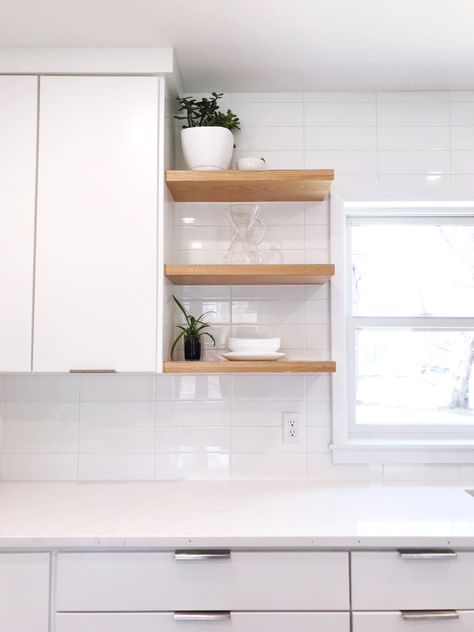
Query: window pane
x=413 y=270
x=414 y=376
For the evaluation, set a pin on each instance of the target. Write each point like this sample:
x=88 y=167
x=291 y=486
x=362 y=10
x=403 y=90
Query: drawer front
x=233 y=622
x=388 y=581
x=244 y=581
x=394 y=622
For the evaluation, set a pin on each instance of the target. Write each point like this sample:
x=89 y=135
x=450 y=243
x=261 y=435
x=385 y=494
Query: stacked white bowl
x=253 y=349
x=254 y=345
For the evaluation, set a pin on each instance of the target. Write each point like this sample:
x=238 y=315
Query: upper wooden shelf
x=249 y=274
x=247 y=366
x=289 y=185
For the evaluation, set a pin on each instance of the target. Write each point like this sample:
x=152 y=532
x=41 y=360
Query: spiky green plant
x=194 y=326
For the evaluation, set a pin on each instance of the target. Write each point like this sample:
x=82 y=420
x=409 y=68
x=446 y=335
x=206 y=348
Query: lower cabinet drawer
x=412 y=580
x=427 y=622
x=163 y=581
x=228 y=622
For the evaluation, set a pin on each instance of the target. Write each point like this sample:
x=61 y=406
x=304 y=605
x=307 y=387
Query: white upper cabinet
x=18 y=130
x=96 y=252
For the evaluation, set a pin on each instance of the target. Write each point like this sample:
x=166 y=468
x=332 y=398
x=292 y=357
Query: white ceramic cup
x=251 y=163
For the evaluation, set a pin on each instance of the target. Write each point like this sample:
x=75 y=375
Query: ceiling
x=269 y=45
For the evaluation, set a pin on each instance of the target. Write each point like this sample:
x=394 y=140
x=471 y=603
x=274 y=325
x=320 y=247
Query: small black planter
x=192 y=348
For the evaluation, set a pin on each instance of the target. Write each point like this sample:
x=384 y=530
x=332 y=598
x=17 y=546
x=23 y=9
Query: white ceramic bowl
x=254 y=344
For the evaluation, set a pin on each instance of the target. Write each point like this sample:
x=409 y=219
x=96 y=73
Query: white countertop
x=232 y=514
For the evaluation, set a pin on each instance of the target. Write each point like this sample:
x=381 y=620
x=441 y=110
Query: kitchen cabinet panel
x=96 y=268
x=18 y=132
x=24 y=592
x=230 y=622
x=389 y=581
x=244 y=580
x=462 y=621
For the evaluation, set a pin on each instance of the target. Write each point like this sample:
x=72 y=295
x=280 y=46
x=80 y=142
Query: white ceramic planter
x=207 y=148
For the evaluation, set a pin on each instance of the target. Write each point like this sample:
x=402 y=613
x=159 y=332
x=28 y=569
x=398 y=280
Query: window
x=409 y=370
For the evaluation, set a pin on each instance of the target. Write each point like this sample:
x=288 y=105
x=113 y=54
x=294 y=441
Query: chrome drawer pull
x=436 y=554
x=194 y=556
x=201 y=616
x=92 y=371
x=429 y=615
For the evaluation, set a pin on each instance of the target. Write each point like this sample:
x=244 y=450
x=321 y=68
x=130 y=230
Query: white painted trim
x=425 y=445
x=87 y=61
x=338 y=296
x=415 y=452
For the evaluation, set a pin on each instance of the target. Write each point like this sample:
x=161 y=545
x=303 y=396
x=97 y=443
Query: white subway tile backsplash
x=462 y=113
x=117 y=414
x=193 y=413
x=267 y=97
x=398 y=162
x=319 y=438
x=318 y=387
x=411 y=138
x=340 y=97
x=463 y=95
x=200 y=439
x=273 y=466
x=462 y=138
x=265 y=413
x=318 y=412
x=265 y=441
x=116 y=440
x=117 y=388
x=40 y=467
x=340 y=138
x=343 y=162
x=265 y=138
x=463 y=161
x=269 y=387
x=410 y=96
x=274 y=159
x=338 y=114
x=41 y=388
x=115 y=466
x=35 y=437
x=193 y=387
x=413 y=113
x=201 y=214
x=261 y=312
x=279 y=114
x=192 y=466
x=321 y=467
x=53 y=412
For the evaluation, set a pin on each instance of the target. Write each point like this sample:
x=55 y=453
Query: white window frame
x=397 y=444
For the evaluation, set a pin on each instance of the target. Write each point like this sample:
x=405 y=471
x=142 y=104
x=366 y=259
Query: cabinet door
x=96 y=254
x=24 y=592
x=18 y=129
x=196 y=622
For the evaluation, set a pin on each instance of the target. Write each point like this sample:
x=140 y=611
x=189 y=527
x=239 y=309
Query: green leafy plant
x=205 y=113
x=193 y=328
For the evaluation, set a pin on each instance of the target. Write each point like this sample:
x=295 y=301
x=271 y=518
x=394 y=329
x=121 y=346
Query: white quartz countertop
x=246 y=514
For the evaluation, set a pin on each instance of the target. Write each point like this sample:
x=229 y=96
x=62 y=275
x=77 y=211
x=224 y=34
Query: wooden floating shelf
x=289 y=185
x=249 y=274
x=248 y=366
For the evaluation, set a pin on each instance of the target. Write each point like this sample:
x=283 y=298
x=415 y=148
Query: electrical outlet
x=291 y=427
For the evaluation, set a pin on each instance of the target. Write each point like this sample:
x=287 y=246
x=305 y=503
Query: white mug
x=251 y=163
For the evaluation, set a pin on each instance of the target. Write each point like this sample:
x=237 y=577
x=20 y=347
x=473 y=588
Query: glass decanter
x=248 y=232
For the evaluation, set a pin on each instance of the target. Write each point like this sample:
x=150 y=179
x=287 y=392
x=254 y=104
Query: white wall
x=119 y=427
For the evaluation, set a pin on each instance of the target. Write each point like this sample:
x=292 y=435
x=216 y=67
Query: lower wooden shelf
x=250 y=366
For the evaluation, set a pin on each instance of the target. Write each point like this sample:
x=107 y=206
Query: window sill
x=404 y=451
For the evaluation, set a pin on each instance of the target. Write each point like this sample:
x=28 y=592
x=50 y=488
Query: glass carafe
x=248 y=232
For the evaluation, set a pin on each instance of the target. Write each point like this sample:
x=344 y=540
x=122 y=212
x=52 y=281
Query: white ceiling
x=269 y=45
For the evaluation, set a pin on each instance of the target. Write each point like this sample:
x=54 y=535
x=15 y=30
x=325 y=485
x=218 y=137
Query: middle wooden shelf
x=249 y=274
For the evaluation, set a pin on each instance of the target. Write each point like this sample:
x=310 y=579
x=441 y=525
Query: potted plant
x=206 y=137
x=191 y=332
